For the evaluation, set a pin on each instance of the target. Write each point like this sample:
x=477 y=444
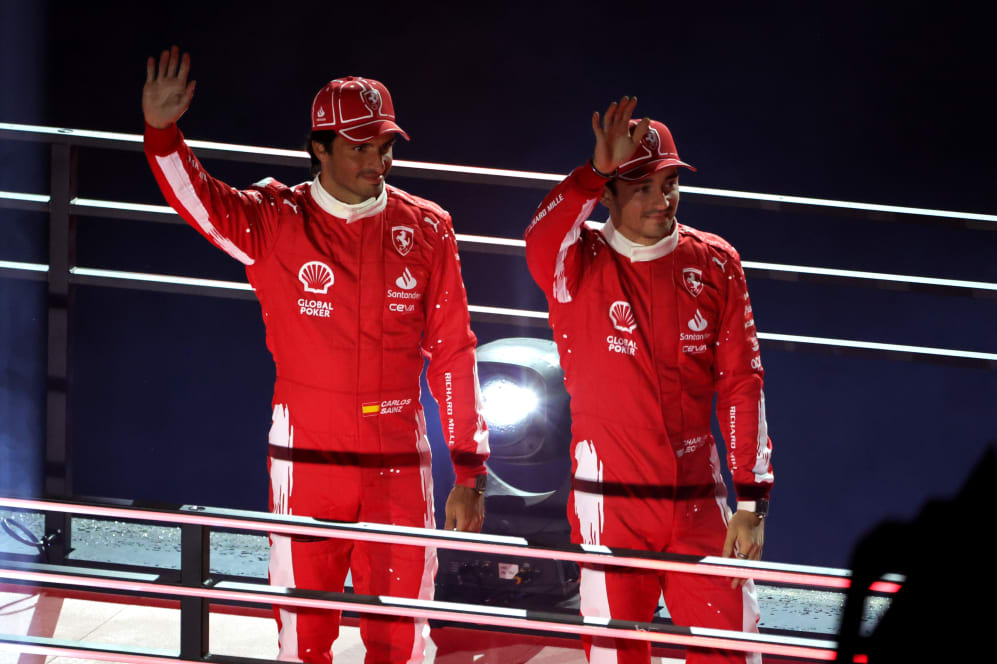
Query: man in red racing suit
x=651 y=318
x=357 y=281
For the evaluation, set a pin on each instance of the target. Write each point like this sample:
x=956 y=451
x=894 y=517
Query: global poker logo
x=622 y=316
x=316 y=277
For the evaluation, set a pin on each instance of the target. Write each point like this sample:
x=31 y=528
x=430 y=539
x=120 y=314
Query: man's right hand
x=167 y=93
x=613 y=140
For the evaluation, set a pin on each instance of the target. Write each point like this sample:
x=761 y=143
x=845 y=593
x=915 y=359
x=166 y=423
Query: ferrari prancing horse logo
x=693 y=280
x=403 y=238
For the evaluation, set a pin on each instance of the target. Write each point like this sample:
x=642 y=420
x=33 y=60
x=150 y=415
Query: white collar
x=640 y=252
x=347 y=211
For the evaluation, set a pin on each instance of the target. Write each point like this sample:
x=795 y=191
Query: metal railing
x=196 y=588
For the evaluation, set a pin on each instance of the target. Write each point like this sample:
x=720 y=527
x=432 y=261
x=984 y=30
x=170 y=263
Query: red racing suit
x=646 y=335
x=353 y=297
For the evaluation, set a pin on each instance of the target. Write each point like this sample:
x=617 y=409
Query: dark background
x=170 y=393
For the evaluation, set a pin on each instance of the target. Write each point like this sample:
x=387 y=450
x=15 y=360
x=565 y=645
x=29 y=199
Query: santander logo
x=698 y=323
x=406 y=281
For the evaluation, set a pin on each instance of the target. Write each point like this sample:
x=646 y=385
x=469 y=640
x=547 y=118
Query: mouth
x=372 y=178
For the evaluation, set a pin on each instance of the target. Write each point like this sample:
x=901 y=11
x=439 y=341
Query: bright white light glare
x=160 y=279
x=18 y=196
x=502 y=311
x=27 y=267
x=121 y=205
x=507 y=403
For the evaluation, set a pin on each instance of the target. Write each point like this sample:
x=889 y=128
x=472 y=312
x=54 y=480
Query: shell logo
x=316 y=277
x=622 y=316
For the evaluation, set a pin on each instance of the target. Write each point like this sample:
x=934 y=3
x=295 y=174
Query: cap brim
x=371 y=130
x=650 y=168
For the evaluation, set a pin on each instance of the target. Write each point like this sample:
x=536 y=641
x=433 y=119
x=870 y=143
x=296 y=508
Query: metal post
x=62 y=255
x=195 y=565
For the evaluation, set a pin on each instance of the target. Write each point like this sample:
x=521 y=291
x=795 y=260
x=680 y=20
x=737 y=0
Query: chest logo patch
x=403 y=238
x=693 y=280
x=622 y=316
x=698 y=322
x=406 y=281
x=316 y=277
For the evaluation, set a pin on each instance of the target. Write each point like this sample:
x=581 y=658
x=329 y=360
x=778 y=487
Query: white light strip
x=480 y=170
x=500 y=311
x=824 y=202
x=28 y=267
x=61 y=131
x=30 y=198
x=487 y=239
x=249 y=149
x=120 y=205
x=160 y=278
x=529 y=175
x=880 y=276
x=871 y=345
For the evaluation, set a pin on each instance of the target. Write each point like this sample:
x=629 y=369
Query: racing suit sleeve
x=738 y=377
x=552 y=247
x=453 y=375
x=243 y=224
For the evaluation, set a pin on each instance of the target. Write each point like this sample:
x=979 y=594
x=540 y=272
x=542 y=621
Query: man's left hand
x=465 y=510
x=745 y=537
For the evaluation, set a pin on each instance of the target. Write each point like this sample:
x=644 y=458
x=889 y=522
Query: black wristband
x=608 y=176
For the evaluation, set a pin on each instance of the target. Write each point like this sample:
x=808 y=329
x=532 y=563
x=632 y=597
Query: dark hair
x=323 y=137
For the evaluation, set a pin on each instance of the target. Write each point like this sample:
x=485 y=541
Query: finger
x=728 y=549
x=174 y=60
x=595 y=123
x=448 y=523
x=150 y=69
x=188 y=94
x=625 y=110
x=164 y=60
x=609 y=117
x=640 y=131
x=184 y=67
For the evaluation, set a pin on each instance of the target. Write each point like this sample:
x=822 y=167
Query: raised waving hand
x=167 y=93
x=613 y=140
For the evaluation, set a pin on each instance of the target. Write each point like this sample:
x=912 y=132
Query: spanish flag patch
x=370 y=409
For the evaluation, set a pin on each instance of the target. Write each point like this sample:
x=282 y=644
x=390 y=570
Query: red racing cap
x=358 y=109
x=656 y=151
